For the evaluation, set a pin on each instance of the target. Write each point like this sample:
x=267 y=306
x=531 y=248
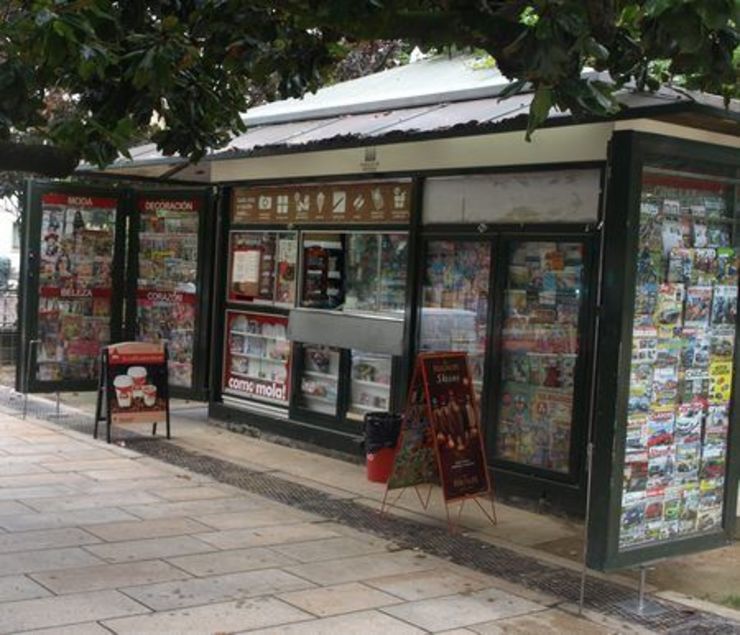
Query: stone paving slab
x=19 y=587
x=197 y=508
x=68 y=609
x=46 y=539
x=550 y=621
x=61 y=465
x=83 y=517
x=332 y=548
x=129 y=474
x=231 y=561
x=342 y=598
x=109 y=576
x=257 y=518
x=62 y=502
x=12 y=507
x=364 y=567
x=149 y=549
x=202 y=492
x=23 y=494
x=260 y=537
x=422 y=585
x=225 y=617
x=46 y=560
x=213 y=589
x=143 y=529
x=456 y=611
x=364 y=622
x=88 y=628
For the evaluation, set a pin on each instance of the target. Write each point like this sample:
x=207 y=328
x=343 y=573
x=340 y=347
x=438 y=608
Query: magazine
x=698 y=307
x=704 y=270
x=680 y=265
x=724 y=306
x=727 y=265
x=720 y=382
x=670 y=306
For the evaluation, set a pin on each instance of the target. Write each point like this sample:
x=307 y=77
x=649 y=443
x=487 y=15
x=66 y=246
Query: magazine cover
x=694 y=386
x=660 y=428
x=700 y=234
x=665 y=387
x=727 y=265
x=704 y=271
x=644 y=345
x=672 y=236
x=687 y=461
x=688 y=423
x=698 y=307
x=724 y=306
x=661 y=465
x=637 y=431
x=670 y=306
x=681 y=265
x=720 y=382
x=721 y=345
x=646 y=302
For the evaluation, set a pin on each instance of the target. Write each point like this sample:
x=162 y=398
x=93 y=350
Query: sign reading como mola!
x=136 y=382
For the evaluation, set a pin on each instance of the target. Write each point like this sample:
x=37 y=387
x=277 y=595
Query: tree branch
x=37 y=158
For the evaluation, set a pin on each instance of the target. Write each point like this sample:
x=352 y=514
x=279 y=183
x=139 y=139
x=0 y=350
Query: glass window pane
x=75 y=292
x=262 y=267
x=455 y=301
x=393 y=264
x=167 y=284
x=681 y=375
x=323 y=271
x=371 y=383
x=362 y=272
x=539 y=348
x=319 y=379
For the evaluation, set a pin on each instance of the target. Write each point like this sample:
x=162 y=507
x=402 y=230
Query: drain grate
x=564 y=584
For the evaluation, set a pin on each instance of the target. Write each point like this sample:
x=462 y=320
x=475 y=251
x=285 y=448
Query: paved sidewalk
x=97 y=538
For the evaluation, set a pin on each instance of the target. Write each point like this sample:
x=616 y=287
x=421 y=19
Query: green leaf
x=539 y=109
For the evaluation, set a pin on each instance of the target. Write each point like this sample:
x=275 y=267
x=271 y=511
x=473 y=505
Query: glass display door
x=72 y=262
x=170 y=237
x=539 y=349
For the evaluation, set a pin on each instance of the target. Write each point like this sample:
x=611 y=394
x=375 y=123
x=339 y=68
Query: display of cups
x=124 y=386
x=150 y=395
x=138 y=375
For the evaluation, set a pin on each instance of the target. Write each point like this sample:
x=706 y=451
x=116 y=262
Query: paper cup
x=138 y=375
x=150 y=395
x=124 y=386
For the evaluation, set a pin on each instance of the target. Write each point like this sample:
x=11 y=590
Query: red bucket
x=380 y=464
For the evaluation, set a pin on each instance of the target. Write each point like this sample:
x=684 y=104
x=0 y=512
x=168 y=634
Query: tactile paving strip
x=564 y=584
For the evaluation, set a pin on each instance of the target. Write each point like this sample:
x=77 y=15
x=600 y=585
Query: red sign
x=171 y=205
x=257 y=357
x=136 y=382
x=153 y=296
x=77 y=200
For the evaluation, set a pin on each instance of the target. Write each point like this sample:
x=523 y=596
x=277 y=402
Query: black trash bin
x=381 y=436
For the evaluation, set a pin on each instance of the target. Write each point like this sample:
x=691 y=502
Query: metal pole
x=641 y=590
x=584 y=568
x=29 y=357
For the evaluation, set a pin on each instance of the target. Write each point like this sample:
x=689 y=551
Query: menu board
x=257 y=357
x=167 y=288
x=136 y=383
x=539 y=345
x=77 y=243
x=341 y=203
x=440 y=439
x=262 y=267
x=681 y=372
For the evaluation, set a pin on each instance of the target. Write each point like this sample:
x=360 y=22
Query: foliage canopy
x=85 y=79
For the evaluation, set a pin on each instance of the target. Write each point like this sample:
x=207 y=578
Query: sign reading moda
x=363 y=202
x=257 y=357
x=166 y=307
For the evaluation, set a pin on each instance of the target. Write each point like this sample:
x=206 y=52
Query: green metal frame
x=34 y=192
x=629 y=152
